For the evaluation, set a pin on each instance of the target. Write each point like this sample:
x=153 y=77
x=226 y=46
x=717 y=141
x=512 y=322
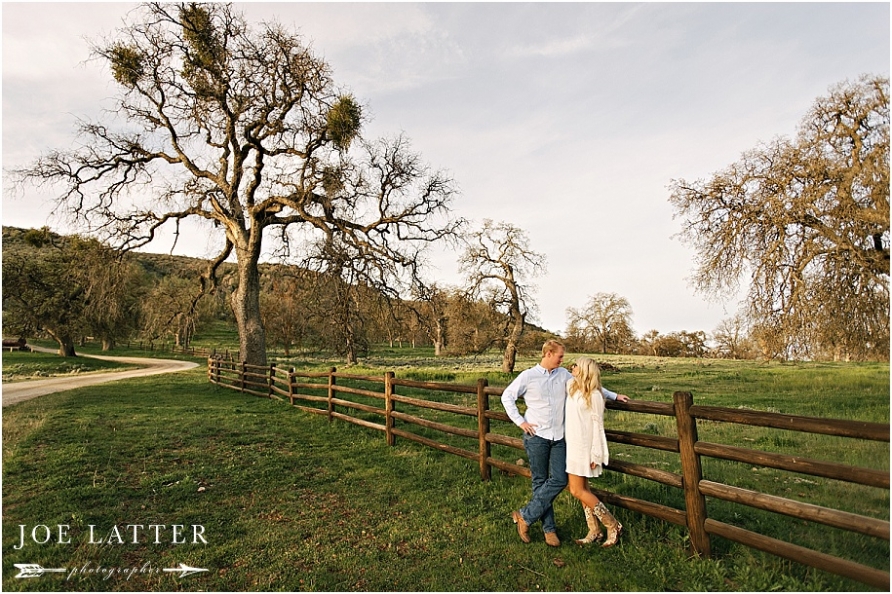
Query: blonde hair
x=551 y=346
x=586 y=380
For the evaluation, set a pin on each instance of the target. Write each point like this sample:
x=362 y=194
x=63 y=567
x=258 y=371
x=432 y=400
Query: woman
x=587 y=447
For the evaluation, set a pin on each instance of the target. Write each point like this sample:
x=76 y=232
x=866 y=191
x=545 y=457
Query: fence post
x=331 y=383
x=388 y=408
x=210 y=370
x=483 y=428
x=291 y=385
x=242 y=375
x=272 y=380
x=695 y=502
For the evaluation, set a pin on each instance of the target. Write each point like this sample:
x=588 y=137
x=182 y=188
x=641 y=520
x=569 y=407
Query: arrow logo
x=32 y=570
x=183 y=569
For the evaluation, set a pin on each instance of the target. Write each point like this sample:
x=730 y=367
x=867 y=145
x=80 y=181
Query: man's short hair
x=551 y=346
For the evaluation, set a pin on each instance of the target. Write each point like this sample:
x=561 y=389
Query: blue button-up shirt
x=545 y=393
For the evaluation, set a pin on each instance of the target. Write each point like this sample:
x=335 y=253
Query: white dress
x=584 y=434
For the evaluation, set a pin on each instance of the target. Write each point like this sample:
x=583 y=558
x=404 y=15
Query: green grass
x=292 y=502
x=835 y=390
x=121 y=350
x=18 y=365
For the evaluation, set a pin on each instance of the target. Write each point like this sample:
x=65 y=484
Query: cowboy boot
x=523 y=530
x=614 y=528
x=594 y=529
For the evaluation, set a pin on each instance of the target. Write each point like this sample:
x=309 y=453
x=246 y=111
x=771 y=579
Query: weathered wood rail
x=320 y=393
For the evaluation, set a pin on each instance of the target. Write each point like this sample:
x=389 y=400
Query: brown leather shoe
x=522 y=529
x=552 y=540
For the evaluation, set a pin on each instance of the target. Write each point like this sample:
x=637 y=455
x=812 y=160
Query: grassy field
x=289 y=501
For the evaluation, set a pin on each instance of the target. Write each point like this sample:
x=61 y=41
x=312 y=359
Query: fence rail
x=327 y=394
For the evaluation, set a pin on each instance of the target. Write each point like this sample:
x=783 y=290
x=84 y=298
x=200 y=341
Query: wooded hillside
x=159 y=299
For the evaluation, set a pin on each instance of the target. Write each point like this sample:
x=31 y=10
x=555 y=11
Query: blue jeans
x=548 y=465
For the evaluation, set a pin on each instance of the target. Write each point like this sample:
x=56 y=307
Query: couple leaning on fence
x=563 y=435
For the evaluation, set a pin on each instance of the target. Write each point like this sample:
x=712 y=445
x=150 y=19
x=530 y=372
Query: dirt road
x=20 y=391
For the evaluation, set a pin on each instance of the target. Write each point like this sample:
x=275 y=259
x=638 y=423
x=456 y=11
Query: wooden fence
x=320 y=393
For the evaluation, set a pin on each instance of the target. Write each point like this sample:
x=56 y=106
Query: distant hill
x=158 y=265
x=162 y=265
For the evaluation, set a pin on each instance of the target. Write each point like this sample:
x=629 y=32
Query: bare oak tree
x=429 y=312
x=807 y=221
x=498 y=263
x=732 y=338
x=245 y=129
x=605 y=323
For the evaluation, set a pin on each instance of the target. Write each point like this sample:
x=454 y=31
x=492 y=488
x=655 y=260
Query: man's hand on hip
x=528 y=428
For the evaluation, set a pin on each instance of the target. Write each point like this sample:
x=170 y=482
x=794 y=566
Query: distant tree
x=116 y=292
x=283 y=307
x=533 y=338
x=674 y=344
x=498 y=265
x=346 y=317
x=648 y=343
x=67 y=287
x=732 y=338
x=670 y=345
x=429 y=308
x=474 y=326
x=174 y=310
x=399 y=323
x=115 y=304
x=604 y=323
x=243 y=128
x=389 y=320
x=807 y=220
x=694 y=343
x=39 y=294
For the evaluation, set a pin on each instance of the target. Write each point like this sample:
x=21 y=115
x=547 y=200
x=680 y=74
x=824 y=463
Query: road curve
x=21 y=391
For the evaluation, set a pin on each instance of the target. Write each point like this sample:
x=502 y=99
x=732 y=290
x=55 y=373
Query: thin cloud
x=553 y=48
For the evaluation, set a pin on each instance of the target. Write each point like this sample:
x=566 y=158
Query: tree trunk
x=246 y=301
x=108 y=344
x=389 y=329
x=66 y=344
x=351 y=351
x=509 y=358
x=438 y=341
x=66 y=349
x=349 y=338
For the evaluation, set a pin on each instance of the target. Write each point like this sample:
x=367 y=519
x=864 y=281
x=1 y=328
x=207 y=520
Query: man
x=544 y=388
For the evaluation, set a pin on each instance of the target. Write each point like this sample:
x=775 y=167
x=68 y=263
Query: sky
x=567 y=120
